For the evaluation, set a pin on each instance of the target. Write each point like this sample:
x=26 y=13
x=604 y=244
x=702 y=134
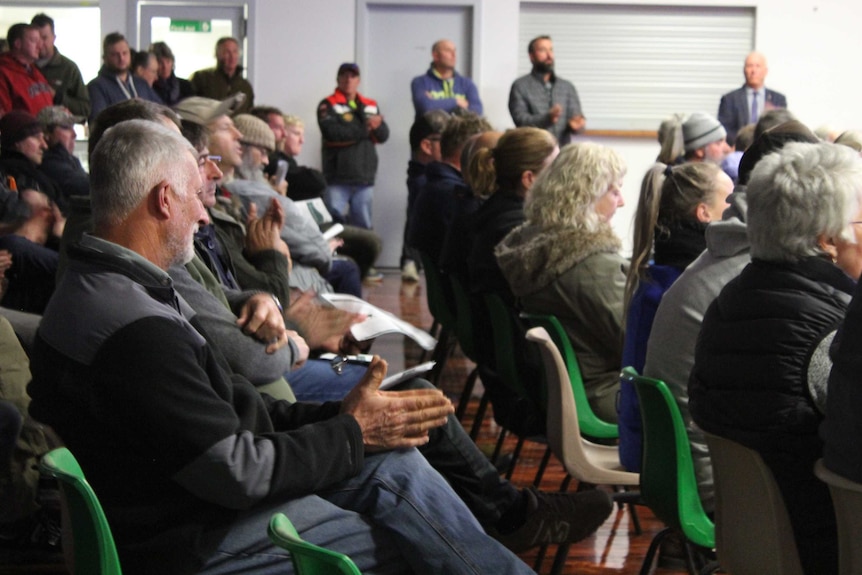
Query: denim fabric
x=397 y=515
x=350 y=204
x=315 y=380
x=449 y=449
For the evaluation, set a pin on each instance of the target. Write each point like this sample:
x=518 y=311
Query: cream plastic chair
x=753 y=535
x=583 y=459
x=847 y=500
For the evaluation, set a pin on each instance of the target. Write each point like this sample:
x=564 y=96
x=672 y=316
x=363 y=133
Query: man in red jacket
x=351 y=126
x=22 y=85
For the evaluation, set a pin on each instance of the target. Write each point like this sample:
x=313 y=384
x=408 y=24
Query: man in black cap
x=351 y=126
x=59 y=162
x=22 y=146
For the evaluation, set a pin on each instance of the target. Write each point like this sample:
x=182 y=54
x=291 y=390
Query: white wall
x=812 y=47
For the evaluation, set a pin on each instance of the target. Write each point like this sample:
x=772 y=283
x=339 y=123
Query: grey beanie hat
x=701 y=129
x=255 y=131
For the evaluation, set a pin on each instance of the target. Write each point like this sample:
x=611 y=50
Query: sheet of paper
x=378 y=321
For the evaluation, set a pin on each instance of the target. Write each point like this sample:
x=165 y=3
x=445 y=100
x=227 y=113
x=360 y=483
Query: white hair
x=128 y=162
x=799 y=193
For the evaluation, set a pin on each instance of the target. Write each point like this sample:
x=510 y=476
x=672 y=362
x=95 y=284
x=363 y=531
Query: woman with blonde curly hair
x=564 y=260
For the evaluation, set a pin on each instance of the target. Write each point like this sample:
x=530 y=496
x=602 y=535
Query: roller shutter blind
x=635 y=65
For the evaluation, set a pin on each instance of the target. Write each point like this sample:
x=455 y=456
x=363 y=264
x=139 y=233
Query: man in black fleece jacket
x=190 y=461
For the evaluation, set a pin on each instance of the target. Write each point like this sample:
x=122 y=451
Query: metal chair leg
x=480 y=416
x=466 y=393
x=542 y=466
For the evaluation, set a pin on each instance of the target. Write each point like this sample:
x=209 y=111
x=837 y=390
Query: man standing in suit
x=744 y=105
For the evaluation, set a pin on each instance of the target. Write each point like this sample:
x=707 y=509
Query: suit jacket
x=733 y=109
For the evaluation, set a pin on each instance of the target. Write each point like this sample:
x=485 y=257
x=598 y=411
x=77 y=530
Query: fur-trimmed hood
x=531 y=258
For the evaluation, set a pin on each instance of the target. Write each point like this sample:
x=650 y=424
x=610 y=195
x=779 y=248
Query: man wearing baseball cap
x=704 y=138
x=59 y=162
x=351 y=126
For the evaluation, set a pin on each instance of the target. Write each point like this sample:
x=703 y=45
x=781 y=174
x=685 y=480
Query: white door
x=192 y=32
x=394 y=46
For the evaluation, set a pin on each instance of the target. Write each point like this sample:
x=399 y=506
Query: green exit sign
x=191 y=25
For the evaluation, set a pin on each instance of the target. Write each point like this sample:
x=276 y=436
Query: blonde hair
x=291 y=120
x=517 y=151
x=564 y=195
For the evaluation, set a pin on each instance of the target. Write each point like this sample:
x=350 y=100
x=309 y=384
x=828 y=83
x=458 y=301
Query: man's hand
x=554 y=113
x=265 y=233
x=261 y=319
x=373 y=122
x=576 y=123
x=323 y=327
x=280 y=187
x=301 y=346
x=462 y=102
x=334 y=244
x=394 y=419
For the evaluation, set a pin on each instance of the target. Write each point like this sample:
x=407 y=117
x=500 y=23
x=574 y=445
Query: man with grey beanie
x=704 y=138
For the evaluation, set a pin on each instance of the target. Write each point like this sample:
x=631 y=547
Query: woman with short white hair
x=762 y=361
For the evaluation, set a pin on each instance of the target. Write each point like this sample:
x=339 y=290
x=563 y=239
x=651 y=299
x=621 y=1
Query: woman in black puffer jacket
x=761 y=363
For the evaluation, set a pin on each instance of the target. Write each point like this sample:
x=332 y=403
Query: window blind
x=635 y=65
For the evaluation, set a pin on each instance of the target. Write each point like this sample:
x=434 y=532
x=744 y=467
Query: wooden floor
x=614 y=549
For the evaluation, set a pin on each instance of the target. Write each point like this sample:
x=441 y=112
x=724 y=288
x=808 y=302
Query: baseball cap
x=348 y=67
x=202 y=111
x=58 y=116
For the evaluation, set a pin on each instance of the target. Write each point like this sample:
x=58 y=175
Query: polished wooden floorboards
x=614 y=549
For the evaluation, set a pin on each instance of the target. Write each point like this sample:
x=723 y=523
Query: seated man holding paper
x=520 y=519
x=305 y=186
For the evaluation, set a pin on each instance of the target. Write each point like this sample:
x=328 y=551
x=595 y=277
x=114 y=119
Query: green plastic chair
x=308 y=559
x=464 y=333
x=444 y=317
x=532 y=401
x=668 y=484
x=591 y=425
x=94 y=551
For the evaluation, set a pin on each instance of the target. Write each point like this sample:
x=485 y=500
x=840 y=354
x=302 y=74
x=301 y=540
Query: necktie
x=754 y=111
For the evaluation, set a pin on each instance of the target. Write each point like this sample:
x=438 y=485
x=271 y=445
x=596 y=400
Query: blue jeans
x=344 y=276
x=350 y=203
x=315 y=380
x=449 y=449
x=398 y=515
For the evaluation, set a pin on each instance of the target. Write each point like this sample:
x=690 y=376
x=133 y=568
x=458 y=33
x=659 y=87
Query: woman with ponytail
x=676 y=204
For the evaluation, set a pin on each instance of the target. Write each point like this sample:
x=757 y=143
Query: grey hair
x=247 y=170
x=130 y=160
x=799 y=193
x=565 y=193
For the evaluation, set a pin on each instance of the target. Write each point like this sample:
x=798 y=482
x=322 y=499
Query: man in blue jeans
x=189 y=460
x=351 y=126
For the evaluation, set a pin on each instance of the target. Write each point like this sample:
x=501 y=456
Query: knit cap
x=255 y=131
x=773 y=140
x=701 y=129
x=58 y=116
x=16 y=126
x=202 y=111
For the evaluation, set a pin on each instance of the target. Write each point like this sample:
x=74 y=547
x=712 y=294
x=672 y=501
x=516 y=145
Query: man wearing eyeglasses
x=544 y=100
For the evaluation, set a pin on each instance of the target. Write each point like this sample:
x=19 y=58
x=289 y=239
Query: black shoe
x=556 y=517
